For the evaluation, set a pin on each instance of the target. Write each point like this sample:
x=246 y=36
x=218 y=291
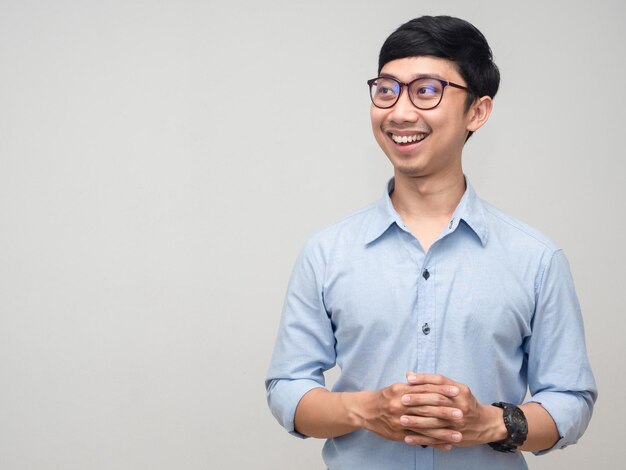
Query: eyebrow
x=415 y=77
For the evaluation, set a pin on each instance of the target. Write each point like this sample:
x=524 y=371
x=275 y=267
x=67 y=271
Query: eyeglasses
x=424 y=92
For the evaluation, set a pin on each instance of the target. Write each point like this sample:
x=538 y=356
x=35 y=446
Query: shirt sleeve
x=305 y=345
x=559 y=373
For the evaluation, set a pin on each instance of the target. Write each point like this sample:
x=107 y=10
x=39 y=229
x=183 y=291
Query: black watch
x=516 y=427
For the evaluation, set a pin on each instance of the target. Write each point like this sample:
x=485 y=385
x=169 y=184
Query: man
x=478 y=307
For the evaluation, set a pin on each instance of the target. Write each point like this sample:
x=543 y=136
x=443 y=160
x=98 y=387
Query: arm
x=305 y=342
x=326 y=414
x=542 y=431
x=479 y=424
x=559 y=374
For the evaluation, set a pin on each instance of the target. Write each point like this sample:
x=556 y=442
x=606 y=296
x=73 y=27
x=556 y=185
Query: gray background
x=162 y=163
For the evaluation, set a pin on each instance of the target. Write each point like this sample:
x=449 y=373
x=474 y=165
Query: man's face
x=442 y=130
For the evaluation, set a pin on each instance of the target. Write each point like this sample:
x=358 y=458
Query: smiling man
x=441 y=311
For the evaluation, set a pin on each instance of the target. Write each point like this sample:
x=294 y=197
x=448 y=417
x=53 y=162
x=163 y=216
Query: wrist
x=356 y=405
x=495 y=429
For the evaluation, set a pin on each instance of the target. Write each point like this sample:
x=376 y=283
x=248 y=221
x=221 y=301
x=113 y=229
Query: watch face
x=520 y=426
x=518 y=415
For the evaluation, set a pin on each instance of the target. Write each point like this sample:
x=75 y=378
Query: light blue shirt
x=491 y=305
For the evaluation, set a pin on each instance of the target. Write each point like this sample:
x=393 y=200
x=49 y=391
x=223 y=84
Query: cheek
x=374 y=117
x=378 y=115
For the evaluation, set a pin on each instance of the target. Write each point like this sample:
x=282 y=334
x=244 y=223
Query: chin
x=410 y=170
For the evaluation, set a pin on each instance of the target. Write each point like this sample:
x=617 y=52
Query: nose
x=404 y=110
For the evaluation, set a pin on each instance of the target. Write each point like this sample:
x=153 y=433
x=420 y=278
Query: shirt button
x=426 y=274
x=425 y=328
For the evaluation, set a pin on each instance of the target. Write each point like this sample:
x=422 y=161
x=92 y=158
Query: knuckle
x=396 y=407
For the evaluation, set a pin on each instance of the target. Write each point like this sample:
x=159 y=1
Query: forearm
x=542 y=431
x=482 y=424
x=325 y=414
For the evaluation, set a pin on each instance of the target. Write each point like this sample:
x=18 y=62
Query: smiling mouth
x=407 y=139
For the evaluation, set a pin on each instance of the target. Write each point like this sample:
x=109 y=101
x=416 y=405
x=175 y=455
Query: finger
x=416 y=439
x=446 y=386
x=449 y=414
x=425 y=399
x=417 y=423
x=447 y=390
x=438 y=379
x=433 y=438
x=438 y=436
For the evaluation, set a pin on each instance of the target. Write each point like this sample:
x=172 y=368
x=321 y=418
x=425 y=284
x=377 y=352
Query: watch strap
x=516 y=427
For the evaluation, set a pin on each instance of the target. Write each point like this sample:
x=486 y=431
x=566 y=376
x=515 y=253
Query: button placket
x=425 y=316
x=425 y=326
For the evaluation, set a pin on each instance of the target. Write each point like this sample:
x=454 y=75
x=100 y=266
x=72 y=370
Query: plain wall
x=162 y=163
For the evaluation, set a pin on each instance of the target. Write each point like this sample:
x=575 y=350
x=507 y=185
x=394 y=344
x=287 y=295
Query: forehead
x=409 y=68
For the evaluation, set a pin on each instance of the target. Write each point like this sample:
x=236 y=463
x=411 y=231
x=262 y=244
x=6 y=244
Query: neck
x=427 y=197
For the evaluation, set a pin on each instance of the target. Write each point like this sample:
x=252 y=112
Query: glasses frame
x=444 y=84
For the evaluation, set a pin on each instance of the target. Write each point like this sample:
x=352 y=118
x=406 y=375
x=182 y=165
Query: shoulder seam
x=539 y=286
x=549 y=244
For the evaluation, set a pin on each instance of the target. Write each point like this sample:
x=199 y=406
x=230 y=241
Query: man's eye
x=427 y=91
x=385 y=92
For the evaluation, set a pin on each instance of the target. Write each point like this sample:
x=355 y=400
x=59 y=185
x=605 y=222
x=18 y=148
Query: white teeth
x=404 y=139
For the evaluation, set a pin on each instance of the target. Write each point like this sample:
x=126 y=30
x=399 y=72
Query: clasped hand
x=431 y=410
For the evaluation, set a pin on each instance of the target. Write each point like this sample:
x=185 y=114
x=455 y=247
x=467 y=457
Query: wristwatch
x=516 y=427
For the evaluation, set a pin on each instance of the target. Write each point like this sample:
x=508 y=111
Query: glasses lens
x=385 y=92
x=426 y=92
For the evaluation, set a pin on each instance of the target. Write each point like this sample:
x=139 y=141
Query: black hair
x=448 y=38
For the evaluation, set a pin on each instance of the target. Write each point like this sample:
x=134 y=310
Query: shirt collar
x=384 y=215
x=469 y=210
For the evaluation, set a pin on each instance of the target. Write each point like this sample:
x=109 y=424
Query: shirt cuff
x=571 y=413
x=283 y=398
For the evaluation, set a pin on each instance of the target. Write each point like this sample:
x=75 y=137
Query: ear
x=479 y=113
